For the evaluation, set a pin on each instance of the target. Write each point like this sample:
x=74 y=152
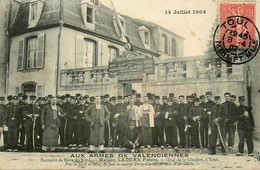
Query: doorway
x=29 y=88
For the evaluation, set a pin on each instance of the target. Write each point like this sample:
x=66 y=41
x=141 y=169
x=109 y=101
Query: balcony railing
x=176 y=70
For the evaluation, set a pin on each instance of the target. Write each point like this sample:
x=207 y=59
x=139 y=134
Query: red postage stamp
x=236 y=39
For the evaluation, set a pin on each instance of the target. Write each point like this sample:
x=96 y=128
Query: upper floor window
x=146 y=38
x=113 y=53
x=164 y=43
x=173 y=47
x=31 y=52
x=33 y=11
x=90 y=57
x=96 y=2
x=89 y=15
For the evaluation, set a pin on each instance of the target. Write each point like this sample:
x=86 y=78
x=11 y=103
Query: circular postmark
x=236 y=40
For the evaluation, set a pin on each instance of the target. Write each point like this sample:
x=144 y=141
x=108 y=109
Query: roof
x=70 y=13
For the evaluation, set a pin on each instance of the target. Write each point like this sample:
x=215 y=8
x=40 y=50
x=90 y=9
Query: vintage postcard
x=120 y=84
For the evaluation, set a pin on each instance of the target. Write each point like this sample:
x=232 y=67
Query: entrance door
x=127 y=89
x=29 y=89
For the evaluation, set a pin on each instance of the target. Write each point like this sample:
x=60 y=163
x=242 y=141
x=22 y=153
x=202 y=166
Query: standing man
x=108 y=123
x=217 y=115
x=163 y=109
x=230 y=121
x=196 y=114
x=97 y=114
x=50 y=120
x=121 y=119
x=170 y=125
x=146 y=123
x=12 y=123
x=181 y=120
x=72 y=124
x=23 y=101
x=208 y=108
x=158 y=124
x=2 y=114
x=31 y=114
x=245 y=126
x=82 y=124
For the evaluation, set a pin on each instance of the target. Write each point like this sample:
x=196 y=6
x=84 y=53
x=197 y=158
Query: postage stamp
x=236 y=38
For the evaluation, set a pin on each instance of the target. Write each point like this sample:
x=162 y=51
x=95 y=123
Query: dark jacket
x=218 y=111
x=245 y=123
x=80 y=111
x=231 y=112
x=173 y=112
x=30 y=109
x=196 y=111
x=13 y=116
x=47 y=116
x=158 y=118
x=2 y=114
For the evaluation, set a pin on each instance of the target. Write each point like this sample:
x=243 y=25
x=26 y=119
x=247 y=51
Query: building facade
x=67 y=46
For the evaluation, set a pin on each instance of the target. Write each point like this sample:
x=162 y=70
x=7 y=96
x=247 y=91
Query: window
x=89 y=15
x=146 y=36
x=31 y=52
x=39 y=91
x=173 y=47
x=96 y=2
x=33 y=11
x=113 y=53
x=164 y=44
x=90 y=59
x=31 y=57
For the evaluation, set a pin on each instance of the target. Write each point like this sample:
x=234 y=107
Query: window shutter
x=79 y=51
x=39 y=91
x=41 y=46
x=20 y=55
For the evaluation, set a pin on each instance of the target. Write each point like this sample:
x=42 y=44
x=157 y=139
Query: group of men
x=128 y=121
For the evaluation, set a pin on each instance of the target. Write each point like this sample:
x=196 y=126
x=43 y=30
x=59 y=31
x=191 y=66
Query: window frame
x=27 y=52
x=33 y=12
x=165 y=49
x=146 y=37
x=174 y=46
x=95 y=52
x=92 y=15
x=116 y=52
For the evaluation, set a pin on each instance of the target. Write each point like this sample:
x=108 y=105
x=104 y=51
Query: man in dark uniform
x=163 y=109
x=233 y=98
x=245 y=126
x=138 y=100
x=2 y=114
x=23 y=101
x=170 y=124
x=82 y=124
x=12 y=123
x=208 y=108
x=72 y=123
x=41 y=105
x=217 y=115
x=230 y=121
x=182 y=120
x=121 y=118
x=196 y=114
x=158 y=123
x=30 y=114
x=109 y=106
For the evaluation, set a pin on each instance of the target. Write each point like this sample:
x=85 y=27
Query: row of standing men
x=126 y=122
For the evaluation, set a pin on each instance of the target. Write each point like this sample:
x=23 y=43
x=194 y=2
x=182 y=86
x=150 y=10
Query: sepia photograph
x=120 y=84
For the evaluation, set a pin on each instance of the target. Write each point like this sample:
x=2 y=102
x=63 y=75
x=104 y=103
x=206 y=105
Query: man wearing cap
x=110 y=108
x=245 y=126
x=12 y=123
x=97 y=114
x=158 y=123
x=163 y=109
x=82 y=124
x=23 y=101
x=170 y=124
x=146 y=112
x=182 y=120
x=217 y=115
x=196 y=114
x=233 y=98
x=71 y=136
x=121 y=118
x=230 y=121
x=138 y=100
x=205 y=124
x=64 y=121
x=30 y=114
x=2 y=114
